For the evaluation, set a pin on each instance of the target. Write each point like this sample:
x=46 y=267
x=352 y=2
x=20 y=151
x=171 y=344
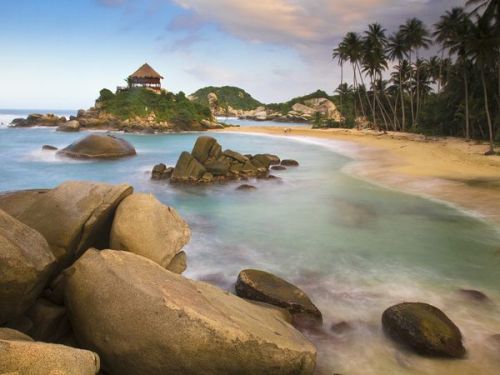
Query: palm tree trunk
x=403 y=116
x=440 y=71
x=487 y=110
x=466 y=88
x=417 y=104
x=411 y=94
x=359 y=94
x=341 y=92
x=373 y=104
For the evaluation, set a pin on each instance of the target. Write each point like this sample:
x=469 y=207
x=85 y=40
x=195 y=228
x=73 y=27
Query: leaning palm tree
x=417 y=37
x=397 y=49
x=482 y=47
x=452 y=31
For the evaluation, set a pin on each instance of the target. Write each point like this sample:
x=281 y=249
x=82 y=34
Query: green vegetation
x=455 y=94
x=176 y=108
x=287 y=106
x=227 y=96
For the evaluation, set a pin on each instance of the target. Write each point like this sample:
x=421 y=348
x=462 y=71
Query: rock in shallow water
x=290 y=163
x=142 y=319
x=98 y=146
x=423 y=328
x=26 y=263
x=266 y=287
x=145 y=226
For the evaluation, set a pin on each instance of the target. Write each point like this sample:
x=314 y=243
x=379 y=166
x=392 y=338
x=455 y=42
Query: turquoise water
x=355 y=248
x=243 y=123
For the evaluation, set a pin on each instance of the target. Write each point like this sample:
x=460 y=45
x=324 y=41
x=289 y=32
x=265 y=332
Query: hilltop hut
x=146 y=77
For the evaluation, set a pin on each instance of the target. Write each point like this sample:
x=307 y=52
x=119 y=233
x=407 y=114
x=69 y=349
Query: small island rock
x=424 y=328
x=69 y=126
x=98 y=146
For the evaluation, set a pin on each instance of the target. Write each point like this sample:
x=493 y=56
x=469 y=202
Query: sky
x=58 y=54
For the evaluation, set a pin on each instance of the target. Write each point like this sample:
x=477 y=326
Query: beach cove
x=366 y=247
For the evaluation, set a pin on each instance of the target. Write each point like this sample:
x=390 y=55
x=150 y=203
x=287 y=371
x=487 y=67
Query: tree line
x=455 y=93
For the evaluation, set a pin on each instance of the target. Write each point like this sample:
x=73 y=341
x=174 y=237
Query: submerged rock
x=21 y=356
x=143 y=319
x=278 y=168
x=423 y=328
x=475 y=295
x=290 y=163
x=98 y=146
x=266 y=287
x=161 y=172
x=145 y=226
x=246 y=187
x=26 y=263
x=49 y=148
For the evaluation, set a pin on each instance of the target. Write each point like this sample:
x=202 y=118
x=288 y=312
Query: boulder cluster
x=208 y=163
x=90 y=281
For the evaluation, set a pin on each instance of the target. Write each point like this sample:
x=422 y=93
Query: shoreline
x=446 y=169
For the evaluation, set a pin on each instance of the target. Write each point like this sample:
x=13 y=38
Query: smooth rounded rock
x=98 y=146
x=143 y=319
x=423 y=328
x=290 y=163
x=145 y=226
x=26 y=264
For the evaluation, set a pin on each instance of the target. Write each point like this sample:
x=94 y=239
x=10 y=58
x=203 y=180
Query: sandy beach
x=444 y=168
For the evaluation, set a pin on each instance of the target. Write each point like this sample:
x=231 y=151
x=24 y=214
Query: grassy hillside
x=227 y=95
x=176 y=108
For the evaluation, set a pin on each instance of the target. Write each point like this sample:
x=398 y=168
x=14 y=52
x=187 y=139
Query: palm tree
x=354 y=46
x=397 y=49
x=417 y=37
x=482 y=47
x=452 y=31
x=341 y=54
x=434 y=66
x=374 y=60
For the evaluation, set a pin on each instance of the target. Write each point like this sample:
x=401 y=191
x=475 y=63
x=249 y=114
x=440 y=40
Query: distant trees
x=454 y=93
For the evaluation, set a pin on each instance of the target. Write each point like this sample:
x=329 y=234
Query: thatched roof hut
x=147 y=77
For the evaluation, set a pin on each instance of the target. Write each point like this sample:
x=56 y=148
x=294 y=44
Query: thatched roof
x=146 y=71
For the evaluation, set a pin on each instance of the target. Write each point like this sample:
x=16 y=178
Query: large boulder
x=69 y=126
x=187 y=169
x=26 y=263
x=143 y=319
x=98 y=146
x=145 y=226
x=21 y=356
x=12 y=334
x=50 y=323
x=424 y=328
x=206 y=148
x=265 y=287
x=74 y=216
x=16 y=202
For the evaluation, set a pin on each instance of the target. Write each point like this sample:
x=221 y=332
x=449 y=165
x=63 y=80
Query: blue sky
x=58 y=54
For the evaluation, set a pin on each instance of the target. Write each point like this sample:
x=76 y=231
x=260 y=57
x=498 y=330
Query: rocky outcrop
x=207 y=163
x=266 y=287
x=69 y=126
x=162 y=323
x=22 y=356
x=145 y=226
x=26 y=263
x=98 y=146
x=423 y=328
x=74 y=216
x=37 y=119
x=161 y=172
x=299 y=112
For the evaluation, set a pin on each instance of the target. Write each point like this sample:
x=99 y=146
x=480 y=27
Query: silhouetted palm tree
x=354 y=47
x=341 y=55
x=482 y=47
x=417 y=37
x=397 y=49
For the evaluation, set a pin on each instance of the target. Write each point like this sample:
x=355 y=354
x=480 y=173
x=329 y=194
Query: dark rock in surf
x=278 y=168
x=265 y=287
x=475 y=295
x=423 y=328
x=161 y=172
x=246 y=187
x=290 y=163
x=49 y=148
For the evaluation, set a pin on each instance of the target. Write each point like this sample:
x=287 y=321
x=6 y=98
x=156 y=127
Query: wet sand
x=443 y=168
